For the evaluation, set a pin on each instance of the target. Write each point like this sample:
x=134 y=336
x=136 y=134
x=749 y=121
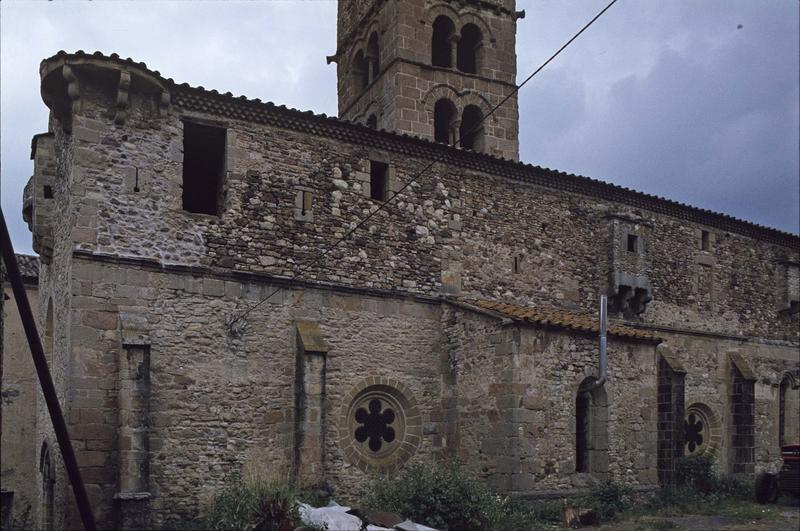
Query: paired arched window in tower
x=366 y=65
x=442 y=42
x=591 y=429
x=448 y=129
x=449 y=49
x=444 y=119
x=471 y=129
x=373 y=57
x=468 y=46
x=360 y=71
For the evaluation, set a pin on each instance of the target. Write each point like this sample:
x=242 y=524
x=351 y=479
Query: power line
x=419 y=174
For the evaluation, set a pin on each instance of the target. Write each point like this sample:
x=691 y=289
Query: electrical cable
x=419 y=174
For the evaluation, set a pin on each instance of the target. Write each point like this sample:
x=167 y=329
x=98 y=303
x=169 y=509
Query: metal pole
x=45 y=380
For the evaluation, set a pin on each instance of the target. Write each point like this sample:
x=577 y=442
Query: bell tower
x=431 y=68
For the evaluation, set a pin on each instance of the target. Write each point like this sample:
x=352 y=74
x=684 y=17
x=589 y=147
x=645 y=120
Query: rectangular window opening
x=379 y=180
x=704 y=244
x=308 y=202
x=203 y=166
x=516 y=265
x=633 y=243
x=48 y=191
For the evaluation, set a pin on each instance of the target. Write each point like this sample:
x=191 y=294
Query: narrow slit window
x=308 y=202
x=515 y=267
x=378 y=179
x=633 y=243
x=704 y=244
x=203 y=165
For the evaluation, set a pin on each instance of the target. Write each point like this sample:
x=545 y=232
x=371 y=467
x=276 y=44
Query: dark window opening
x=515 y=267
x=372 y=121
x=582 y=432
x=308 y=202
x=591 y=429
x=704 y=243
x=48 y=478
x=470 y=132
x=360 y=71
x=48 y=191
x=373 y=56
x=441 y=43
x=378 y=180
x=444 y=115
x=633 y=243
x=203 y=164
x=468 y=46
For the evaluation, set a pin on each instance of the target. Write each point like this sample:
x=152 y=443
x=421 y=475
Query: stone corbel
x=165 y=102
x=122 y=97
x=73 y=95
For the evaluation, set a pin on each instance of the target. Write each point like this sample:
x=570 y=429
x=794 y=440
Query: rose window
x=693 y=427
x=380 y=425
x=701 y=430
x=375 y=425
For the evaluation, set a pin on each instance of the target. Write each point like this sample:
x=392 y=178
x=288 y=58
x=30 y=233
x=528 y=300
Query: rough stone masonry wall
x=522 y=438
x=220 y=402
x=707 y=360
x=451 y=220
x=19 y=392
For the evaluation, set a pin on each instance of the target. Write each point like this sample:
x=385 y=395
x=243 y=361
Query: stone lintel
x=741 y=364
x=126 y=496
x=310 y=337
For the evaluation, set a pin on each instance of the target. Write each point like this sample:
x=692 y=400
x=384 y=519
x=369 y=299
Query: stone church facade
x=459 y=321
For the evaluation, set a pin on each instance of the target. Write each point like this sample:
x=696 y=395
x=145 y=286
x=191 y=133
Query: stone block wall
x=516 y=391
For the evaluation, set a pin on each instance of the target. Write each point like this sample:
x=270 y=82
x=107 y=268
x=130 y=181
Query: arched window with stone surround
x=444 y=117
x=442 y=42
x=360 y=72
x=373 y=57
x=591 y=429
x=468 y=46
x=471 y=129
x=48 y=479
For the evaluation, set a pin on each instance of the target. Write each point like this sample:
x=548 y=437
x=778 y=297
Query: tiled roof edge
x=255 y=110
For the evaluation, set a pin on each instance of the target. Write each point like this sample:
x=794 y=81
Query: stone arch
x=460 y=99
x=370 y=110
x=48 y=480
x=460 y=18
x=591 y=429
x=788 y=410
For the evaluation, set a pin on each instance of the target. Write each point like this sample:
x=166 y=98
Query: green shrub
x=610 y=498
x=447 y=497
x=254 y=504
x=696 y=471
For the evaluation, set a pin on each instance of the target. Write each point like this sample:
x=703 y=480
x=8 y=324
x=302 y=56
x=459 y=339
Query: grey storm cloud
x=696 y=101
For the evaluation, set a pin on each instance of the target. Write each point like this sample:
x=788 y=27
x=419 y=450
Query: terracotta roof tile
x=554 y=317
x=28 y=268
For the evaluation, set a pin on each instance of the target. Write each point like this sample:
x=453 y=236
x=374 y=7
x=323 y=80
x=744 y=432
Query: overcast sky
x=694 y=100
